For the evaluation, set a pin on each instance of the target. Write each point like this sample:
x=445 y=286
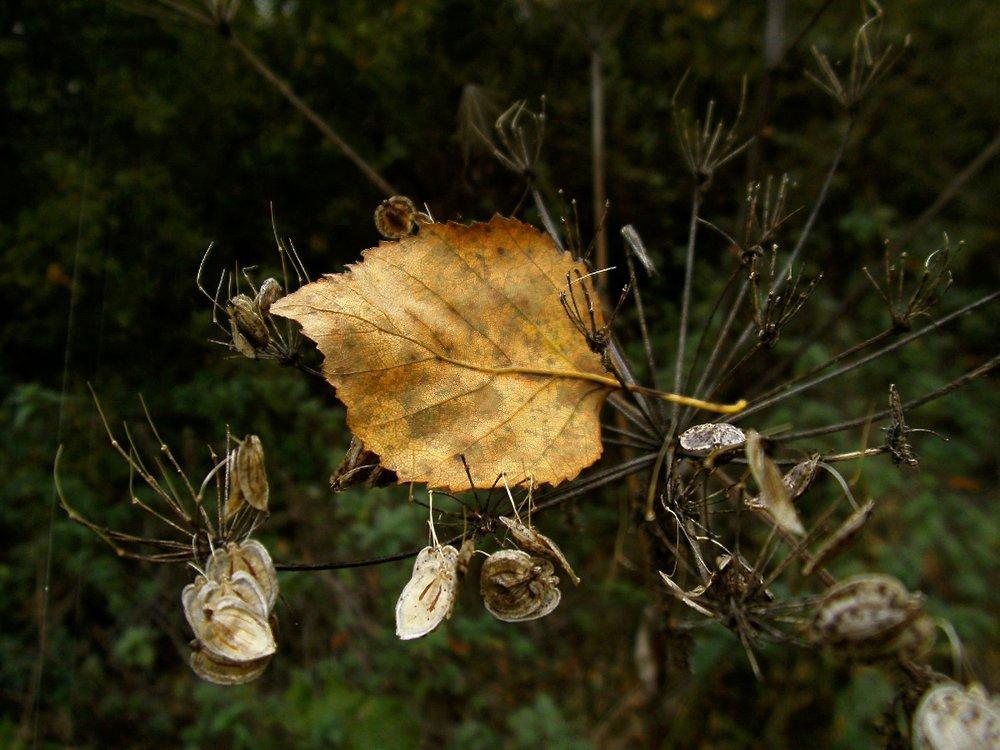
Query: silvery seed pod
x=429 y=596
x=227 y=618
x=516 y=586
x=531 y=540
x=395 y=217
x=243 y=313
x=703 y=439
x=222 y=672
x=774 y=498
x=865 y=617
x=269 y=293
x=950 y=717
x=251 y=557
x=247 y=477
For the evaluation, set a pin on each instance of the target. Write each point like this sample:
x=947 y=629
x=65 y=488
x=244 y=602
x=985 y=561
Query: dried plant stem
x=686 y=297
x=310 y=114
x=598 y=161
x=847 y=353
x=971 y=170
x=879 y=416
x=873 y=356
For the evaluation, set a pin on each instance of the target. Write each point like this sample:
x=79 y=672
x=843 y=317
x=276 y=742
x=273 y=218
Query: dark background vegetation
x=127 y=145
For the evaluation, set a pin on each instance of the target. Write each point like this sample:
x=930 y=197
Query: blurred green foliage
x=129 y=144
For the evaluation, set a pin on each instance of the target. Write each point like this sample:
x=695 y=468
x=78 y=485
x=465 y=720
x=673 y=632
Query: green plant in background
x=359 y=688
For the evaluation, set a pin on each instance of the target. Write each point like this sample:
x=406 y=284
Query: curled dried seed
x=800 y=477
x=703 y=439
x=531 y=540
x=240 y=342
x=249 y=556
x=465 y=553
x=516 y=586
x=429 y=596
x=774 y=498
x=221 y=672
x=248 y=477
x=360 y=466
x=866 y=617
x=269 y=293
x=846 y=533
x=950 y=717
x=395 y=217
x=247 y=320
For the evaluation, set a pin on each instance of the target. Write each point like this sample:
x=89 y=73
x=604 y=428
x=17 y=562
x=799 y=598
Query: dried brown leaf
x=454 y=342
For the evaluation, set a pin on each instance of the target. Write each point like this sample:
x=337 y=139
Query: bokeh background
x=128 y=143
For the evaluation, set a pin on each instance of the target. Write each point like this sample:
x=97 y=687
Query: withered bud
x=950 y=717
x=247 y=477
x=395 y=217
x=247 y=320
x=516 y=586
x=867 y=617
x=269 y=293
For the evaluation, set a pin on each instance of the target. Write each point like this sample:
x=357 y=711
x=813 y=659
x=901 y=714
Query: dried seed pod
x=429 y=596
x=247 y=477
x=917 y=640
x=221 y=672
x=269 y=293
x=846 y=533
x=247 y=320
x=360 y=466
x=950 y=717
x=465 y=553
x=240 y=342
x=703 y=439
x=532 y=541
x=801 y=476
x=866 y=617
x=774 y=498
x=516 y=586
x=395 y=217
x=249 y=556
x=227 y=618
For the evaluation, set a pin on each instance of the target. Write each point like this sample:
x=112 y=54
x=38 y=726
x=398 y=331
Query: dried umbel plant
x=483 y=354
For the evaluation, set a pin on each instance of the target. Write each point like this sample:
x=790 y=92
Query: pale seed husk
x=247 y=477
x=229 y=617
x=774 y=498
x=429 y=596
x=516 y=586
x=530 y=540
x=222 y=672
x=703 y=439
x=950 y=717
x=269 y=293
x=250 y=556
x=243 y=313
x=865 y=617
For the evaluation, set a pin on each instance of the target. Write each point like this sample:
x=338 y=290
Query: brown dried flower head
x=529 y=539
x=396 y=217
